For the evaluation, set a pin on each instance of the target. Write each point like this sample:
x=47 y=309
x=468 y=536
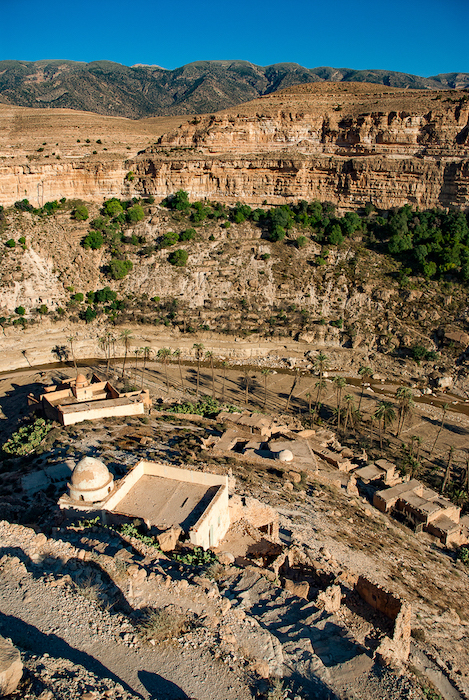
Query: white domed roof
x=285 y=456
x=90 y=474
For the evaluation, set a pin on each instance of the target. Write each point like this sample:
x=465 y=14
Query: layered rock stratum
x=348 y=143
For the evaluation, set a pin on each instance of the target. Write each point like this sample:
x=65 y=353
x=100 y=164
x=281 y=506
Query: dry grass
x=162 y=625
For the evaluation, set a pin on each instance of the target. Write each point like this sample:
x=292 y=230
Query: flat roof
x=93 y=405
x=165 y=502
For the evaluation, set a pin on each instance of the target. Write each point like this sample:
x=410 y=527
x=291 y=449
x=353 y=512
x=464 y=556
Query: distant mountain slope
x=139 y=91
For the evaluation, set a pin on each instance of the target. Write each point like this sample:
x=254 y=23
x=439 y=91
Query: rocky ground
x=242 y=627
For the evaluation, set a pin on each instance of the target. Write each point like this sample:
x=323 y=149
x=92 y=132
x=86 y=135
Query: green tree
x=135 y=214
x=113 y=207
x=119 y=268
x=320 y=364
x=20 y=310
x=169 y=239
x=179 y=201
x=80 y=213
x=94 y=240
x=178 y=257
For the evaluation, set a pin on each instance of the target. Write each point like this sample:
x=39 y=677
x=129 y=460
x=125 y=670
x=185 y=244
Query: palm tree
x=295 y=381
x=163 y=354
x=406 y=403
x=177 y=353
x=125 y=337
x=321 y=363
x=105 y=345
x=385 y=415
x=266 y=373
x=366 y=374
x=349 y=410
x=445 y=409
x=339 y=384
x=225 y=366
x=247 y=382
x=71 y=340
x=209 y=356
x=319 y=386
x=448 y=469
x=199 y=348
x=146 y=351
x=137 y=352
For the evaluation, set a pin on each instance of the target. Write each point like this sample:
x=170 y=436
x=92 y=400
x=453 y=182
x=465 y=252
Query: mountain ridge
x=112 y=89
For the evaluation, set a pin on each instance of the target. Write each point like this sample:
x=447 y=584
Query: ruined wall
x=378 y=598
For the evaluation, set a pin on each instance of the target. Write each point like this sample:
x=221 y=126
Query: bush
x=43 y=309
x=22 y=240
x=135 y=214
x=162 y=625
x=301 y=241
x=20 y=310
x=130 y=177
x=78 y=297
x=169 y=239
x=113 y=207
x=187 y=235
x=27 y=438
x=178 y=257
x=24 y=205
x=89 y=314
x=119 y=268
x=80 y=213
x=11 y=243
x=94 y=240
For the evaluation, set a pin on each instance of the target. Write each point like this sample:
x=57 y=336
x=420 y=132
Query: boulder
x=11 y=667
x=298 y=588
x=168 y=539
x=330 y=599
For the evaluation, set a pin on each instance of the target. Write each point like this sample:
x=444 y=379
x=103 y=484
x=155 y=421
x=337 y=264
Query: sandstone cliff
x=347 y=144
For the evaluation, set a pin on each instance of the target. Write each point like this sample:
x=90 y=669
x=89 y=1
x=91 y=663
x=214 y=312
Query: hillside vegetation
x=139 y=91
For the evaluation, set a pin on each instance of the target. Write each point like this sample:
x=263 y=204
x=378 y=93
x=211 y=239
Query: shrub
x=20 y=310
x=301 y=241
x=11 y=243
x=130 y=177
x=277 y=234
x=178 y=257
x=169 y=239
x=179 y=201
x=80 y=213
x=93 y=240
x=50 y=208
x=27 y=438
x=119 y=268
x=162 y=625
x=113 y=207
x=89 y=314
x=22 y=240
x=187 y=235
x=149 y=200
x=135 y=213
x=78 y=297
x=24 y=205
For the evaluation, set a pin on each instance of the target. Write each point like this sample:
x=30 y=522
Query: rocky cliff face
x=330 y=142
x=348 y=143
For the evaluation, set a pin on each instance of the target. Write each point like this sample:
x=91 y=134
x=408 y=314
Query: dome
x=285 y=456
x=81 y=380
x=91 y=481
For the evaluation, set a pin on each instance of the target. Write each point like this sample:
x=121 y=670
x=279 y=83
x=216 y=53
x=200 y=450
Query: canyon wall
x=350 y=144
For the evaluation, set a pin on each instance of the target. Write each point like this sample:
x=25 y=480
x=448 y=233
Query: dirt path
x=53 y=621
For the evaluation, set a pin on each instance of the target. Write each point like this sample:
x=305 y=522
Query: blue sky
x=412 y=36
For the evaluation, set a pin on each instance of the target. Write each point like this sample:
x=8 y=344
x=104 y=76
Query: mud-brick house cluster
x=423 y=509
